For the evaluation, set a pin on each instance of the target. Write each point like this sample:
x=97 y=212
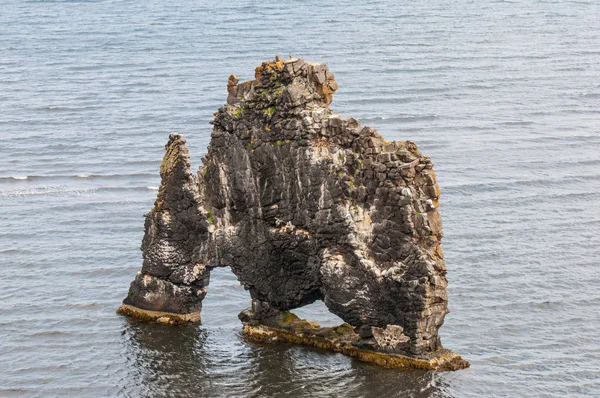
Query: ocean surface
x=503 y=95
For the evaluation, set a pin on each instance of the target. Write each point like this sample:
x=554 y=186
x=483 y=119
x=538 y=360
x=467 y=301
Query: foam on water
x=503 y=96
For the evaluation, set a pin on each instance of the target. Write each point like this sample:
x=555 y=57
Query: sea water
x=504 y=96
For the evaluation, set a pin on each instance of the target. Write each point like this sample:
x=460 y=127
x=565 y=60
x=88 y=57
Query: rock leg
x=171 y=285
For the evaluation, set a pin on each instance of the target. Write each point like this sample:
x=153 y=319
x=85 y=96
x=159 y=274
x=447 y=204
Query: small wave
x=516 y=123
x=77 y=176
x=54 y=108
x=384 y=100
x=151 y=188
x=46 y=190
x=529 y=183
x=50 y=333
x=22 y=178
x=480 y=86
x=62 y=190
x=571 y=140
x=401 y=118
x=116 y=176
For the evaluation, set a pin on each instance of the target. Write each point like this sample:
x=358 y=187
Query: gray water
x=504 y=96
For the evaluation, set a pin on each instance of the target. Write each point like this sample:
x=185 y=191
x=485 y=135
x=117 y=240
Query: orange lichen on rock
x=327 y=89
x=232 y=81
x=268 y=67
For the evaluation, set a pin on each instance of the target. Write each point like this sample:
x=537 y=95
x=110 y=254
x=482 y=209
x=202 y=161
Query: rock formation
x=303 y=204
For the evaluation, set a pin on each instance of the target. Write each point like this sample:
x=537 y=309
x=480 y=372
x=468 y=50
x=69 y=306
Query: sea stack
x=303 y=204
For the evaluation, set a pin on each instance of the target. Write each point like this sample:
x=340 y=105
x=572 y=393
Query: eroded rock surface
x=172 y=280
x=303 y=204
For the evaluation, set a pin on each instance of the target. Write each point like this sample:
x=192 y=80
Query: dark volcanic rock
x=303 y=204
x=171 y=279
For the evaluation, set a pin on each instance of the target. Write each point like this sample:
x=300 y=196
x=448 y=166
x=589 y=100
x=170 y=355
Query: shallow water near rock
x=503 y=96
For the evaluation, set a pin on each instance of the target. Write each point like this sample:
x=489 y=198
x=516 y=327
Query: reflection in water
x=213 y=360
x=163 y=361
x=292 y=371
x=204 y=361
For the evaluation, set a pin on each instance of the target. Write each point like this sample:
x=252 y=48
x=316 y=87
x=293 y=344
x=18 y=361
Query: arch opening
x=225 y=299
x=318 y=312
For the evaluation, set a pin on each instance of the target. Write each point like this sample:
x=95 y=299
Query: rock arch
x=303 y=204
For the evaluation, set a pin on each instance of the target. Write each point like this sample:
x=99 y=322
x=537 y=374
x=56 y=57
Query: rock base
x=168 y=318
x=342 y=339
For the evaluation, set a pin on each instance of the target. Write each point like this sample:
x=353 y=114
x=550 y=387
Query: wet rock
x=303 y=205
x=343 y=339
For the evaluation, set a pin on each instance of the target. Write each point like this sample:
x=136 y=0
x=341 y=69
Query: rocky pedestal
x=303 y=204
